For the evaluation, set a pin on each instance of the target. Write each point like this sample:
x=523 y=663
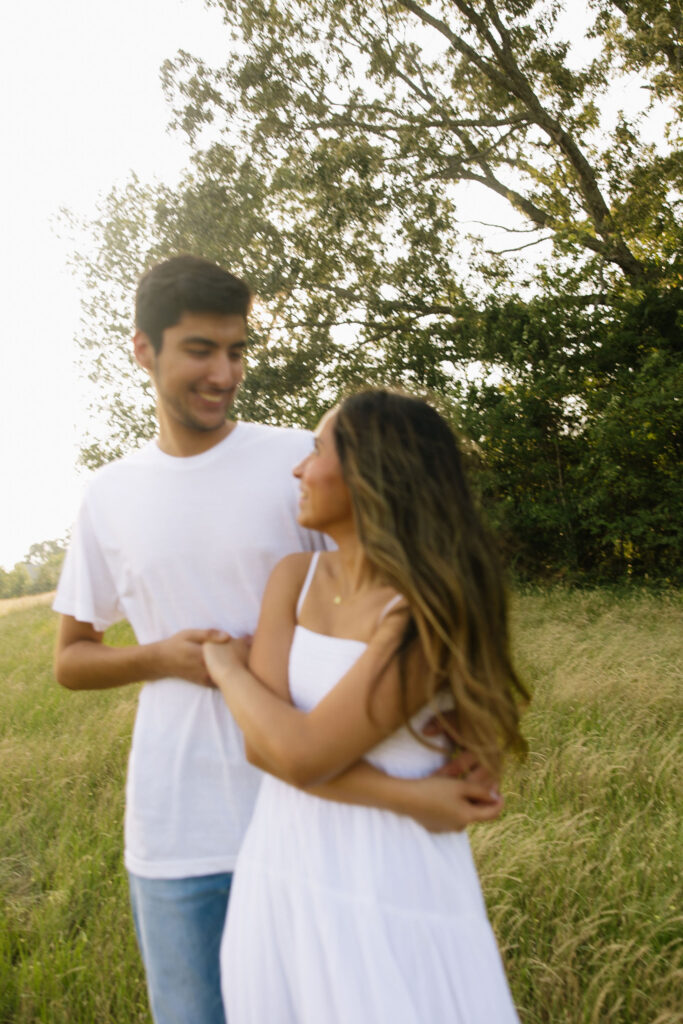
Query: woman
x=345 y=914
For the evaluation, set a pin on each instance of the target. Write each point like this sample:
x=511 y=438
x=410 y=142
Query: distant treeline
x=37 y=574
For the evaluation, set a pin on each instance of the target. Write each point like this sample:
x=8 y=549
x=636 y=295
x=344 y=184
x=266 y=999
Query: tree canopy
x=341 y=156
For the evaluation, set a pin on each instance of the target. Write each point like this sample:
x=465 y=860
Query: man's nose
x=224 y=371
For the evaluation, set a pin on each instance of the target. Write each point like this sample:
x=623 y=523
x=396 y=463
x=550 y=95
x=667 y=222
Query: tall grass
x=582 y=874
x=67 y=949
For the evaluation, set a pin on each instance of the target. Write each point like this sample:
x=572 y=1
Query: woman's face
x=324 y=499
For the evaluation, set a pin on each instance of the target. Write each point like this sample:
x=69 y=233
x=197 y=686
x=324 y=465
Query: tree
x=647 y=35
x=16 y=582
x=582 y=440
x=335 y=154
x=38 y=573
x=44 y=561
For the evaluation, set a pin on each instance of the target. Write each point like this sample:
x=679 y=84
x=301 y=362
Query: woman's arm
x=308 y=748
x=305 y=748
x=438 y=803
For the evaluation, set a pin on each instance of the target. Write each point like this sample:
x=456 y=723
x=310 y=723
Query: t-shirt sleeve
x=86 y=588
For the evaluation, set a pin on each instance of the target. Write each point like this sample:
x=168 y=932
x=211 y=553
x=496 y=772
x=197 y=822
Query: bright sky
x=80 y=105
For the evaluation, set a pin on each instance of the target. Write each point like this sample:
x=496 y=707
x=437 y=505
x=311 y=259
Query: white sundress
x=341 y=914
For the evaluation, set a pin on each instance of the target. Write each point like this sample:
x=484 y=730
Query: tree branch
x=518 y=87
x=518 y=248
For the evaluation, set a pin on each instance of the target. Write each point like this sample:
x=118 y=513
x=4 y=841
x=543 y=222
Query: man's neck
x=181 y=442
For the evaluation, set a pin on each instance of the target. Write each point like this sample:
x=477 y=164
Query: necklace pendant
x=337 y=599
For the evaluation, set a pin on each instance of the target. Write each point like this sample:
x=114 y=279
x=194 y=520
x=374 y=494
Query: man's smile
x=213 y=397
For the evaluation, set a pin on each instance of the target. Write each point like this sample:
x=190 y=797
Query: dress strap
x=388 y=606
x=307 y=582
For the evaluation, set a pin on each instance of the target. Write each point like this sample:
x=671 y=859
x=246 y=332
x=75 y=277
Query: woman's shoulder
x=293 y=568
x=285 y=583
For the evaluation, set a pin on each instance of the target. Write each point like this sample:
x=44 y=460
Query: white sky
x=80 y=105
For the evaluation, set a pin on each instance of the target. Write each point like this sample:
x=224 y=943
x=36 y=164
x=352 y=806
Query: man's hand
x=220 y=657
x=443 y=804
x=182 y=656
x=463 y=764
x=84 y=662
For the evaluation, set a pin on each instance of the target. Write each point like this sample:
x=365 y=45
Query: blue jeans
x=179 y=924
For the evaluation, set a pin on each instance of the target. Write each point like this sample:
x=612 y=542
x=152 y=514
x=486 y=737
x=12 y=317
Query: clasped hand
x=223 y=654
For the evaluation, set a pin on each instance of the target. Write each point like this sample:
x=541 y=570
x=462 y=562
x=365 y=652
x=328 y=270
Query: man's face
x=198 y=370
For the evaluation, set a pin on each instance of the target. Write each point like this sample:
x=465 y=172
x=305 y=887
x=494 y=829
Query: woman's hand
x=444 y=804
x=220 y=658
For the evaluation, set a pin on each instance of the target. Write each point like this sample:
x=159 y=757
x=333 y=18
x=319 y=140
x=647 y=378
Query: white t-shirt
x=186 y=543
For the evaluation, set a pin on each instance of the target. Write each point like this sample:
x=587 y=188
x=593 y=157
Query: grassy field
x=582 y=874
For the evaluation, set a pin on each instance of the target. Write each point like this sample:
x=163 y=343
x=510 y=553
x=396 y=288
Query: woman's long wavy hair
x=422 y=534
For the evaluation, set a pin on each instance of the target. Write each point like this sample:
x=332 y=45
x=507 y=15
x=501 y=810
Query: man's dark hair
x=186 y=284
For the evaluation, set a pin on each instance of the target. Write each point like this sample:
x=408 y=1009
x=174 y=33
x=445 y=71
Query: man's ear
x=144 y=350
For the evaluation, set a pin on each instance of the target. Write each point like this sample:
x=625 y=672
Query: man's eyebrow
x=198 y=339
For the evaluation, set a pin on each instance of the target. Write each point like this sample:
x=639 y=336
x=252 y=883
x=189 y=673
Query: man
x=179 y=538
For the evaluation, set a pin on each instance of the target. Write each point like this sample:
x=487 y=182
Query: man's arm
x=84 y=662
